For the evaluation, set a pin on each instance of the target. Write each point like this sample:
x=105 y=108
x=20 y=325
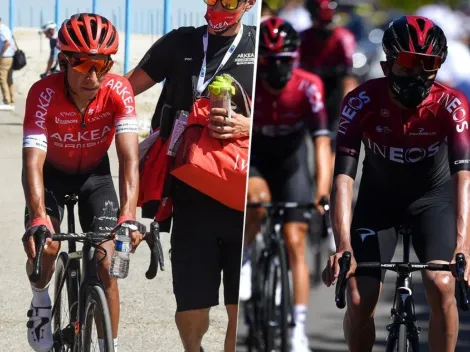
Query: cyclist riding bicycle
x=327 y=51
x=70 y=120
x=417 y=147
x=289 y=102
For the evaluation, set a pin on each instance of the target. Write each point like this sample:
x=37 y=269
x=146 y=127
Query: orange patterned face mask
x=85 y=64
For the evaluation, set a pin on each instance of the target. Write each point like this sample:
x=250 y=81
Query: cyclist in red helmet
x=327 y=51
x=416 y=139
x=70 y=120
x=289 y=105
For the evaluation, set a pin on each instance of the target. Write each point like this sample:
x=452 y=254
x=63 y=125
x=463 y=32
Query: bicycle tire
x=276 y=270
x=72 y=296
x=96 y=296
x=402 y=342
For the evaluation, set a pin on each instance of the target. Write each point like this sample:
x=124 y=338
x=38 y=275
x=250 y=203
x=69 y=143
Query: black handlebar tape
x=39 y=240
x=340 y=294
x=151 y=240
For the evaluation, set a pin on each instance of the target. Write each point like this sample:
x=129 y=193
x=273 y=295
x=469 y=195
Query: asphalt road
x=325 y=320
x=147 y=307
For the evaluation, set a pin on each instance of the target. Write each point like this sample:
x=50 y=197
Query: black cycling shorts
x=98 y=206
x=378 y=213
x=206 y=240
x=286 y=173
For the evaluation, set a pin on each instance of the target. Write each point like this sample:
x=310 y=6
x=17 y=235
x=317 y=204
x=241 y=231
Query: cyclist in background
x=327 y=50
x=270 y=8
x=417 y=143
x=49 y=29
x=289 y=102
x=70 y=120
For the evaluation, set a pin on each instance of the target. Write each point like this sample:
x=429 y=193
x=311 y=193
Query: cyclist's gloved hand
x=467 y=260
x=136 y=230
x=28 y=239
x=331 y=272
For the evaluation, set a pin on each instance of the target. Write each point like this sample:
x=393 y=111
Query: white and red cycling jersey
x=76 y=143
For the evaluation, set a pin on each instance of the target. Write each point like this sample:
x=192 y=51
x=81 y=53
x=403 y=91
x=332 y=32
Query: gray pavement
x=325 y=320
x=147 y=307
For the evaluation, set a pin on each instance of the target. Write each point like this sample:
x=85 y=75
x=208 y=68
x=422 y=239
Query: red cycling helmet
x=322 y=11
x=89 y=34
x=277 y=36
x=409 y=39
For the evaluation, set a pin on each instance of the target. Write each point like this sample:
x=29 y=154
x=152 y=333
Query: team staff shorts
x=285 y=171
x=377 y=213
x=206 y=241
x=98 y=205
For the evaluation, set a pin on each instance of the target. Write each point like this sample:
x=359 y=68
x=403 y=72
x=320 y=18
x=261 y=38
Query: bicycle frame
x=90 y=277
x=403 y=309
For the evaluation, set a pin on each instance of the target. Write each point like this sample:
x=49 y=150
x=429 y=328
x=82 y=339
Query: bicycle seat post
x=70 y=200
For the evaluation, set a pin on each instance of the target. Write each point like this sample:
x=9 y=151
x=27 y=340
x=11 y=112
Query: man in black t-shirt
x=206 y=237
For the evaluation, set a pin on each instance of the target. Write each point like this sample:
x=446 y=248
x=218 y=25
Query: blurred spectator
x=7 y=50
x=455 y=72
x=296 y=14
x=49 y=29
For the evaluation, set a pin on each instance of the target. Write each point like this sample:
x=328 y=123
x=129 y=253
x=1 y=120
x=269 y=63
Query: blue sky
x=145 y=18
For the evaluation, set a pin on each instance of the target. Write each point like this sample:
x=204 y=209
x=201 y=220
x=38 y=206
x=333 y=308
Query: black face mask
x=276 y=75
x=410 y=91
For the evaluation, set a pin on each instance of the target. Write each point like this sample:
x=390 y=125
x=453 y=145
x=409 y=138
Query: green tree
x=410 y=6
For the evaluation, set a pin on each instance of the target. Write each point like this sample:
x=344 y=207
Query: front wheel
x=97 y=311
x=402 y=342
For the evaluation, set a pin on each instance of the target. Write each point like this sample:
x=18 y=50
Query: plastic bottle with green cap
x=221 y=91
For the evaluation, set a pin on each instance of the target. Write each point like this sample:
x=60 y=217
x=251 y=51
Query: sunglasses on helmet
x=226 y=4
x=281 y=58
x=413 y=60
x=84 y=64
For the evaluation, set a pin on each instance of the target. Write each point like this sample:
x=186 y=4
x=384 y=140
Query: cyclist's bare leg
x=192 y=325
x=358 y=325
x=295 y=234
x=49 y=257
x=258 y=191
x=444 y=317
x=110 y=286
x=231 y=336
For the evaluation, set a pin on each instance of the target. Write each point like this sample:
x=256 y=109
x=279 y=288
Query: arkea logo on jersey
x=245 y=59
x=454 y=107
x=81 y=139
x=126 y=96
x=350 y=110
x=402 y=155
x=44 y=101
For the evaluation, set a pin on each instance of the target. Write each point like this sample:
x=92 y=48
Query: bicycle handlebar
x=152 y=238
x=281 y=205
x=345 y=264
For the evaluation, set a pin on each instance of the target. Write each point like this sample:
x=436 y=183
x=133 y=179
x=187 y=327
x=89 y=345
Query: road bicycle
x=79 y=295
x=269 y=311
x=403 y=332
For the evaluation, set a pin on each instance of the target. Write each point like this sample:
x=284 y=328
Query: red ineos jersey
x=327 y=53
x=75 y=144
x=300 y=105
x=404 y=147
